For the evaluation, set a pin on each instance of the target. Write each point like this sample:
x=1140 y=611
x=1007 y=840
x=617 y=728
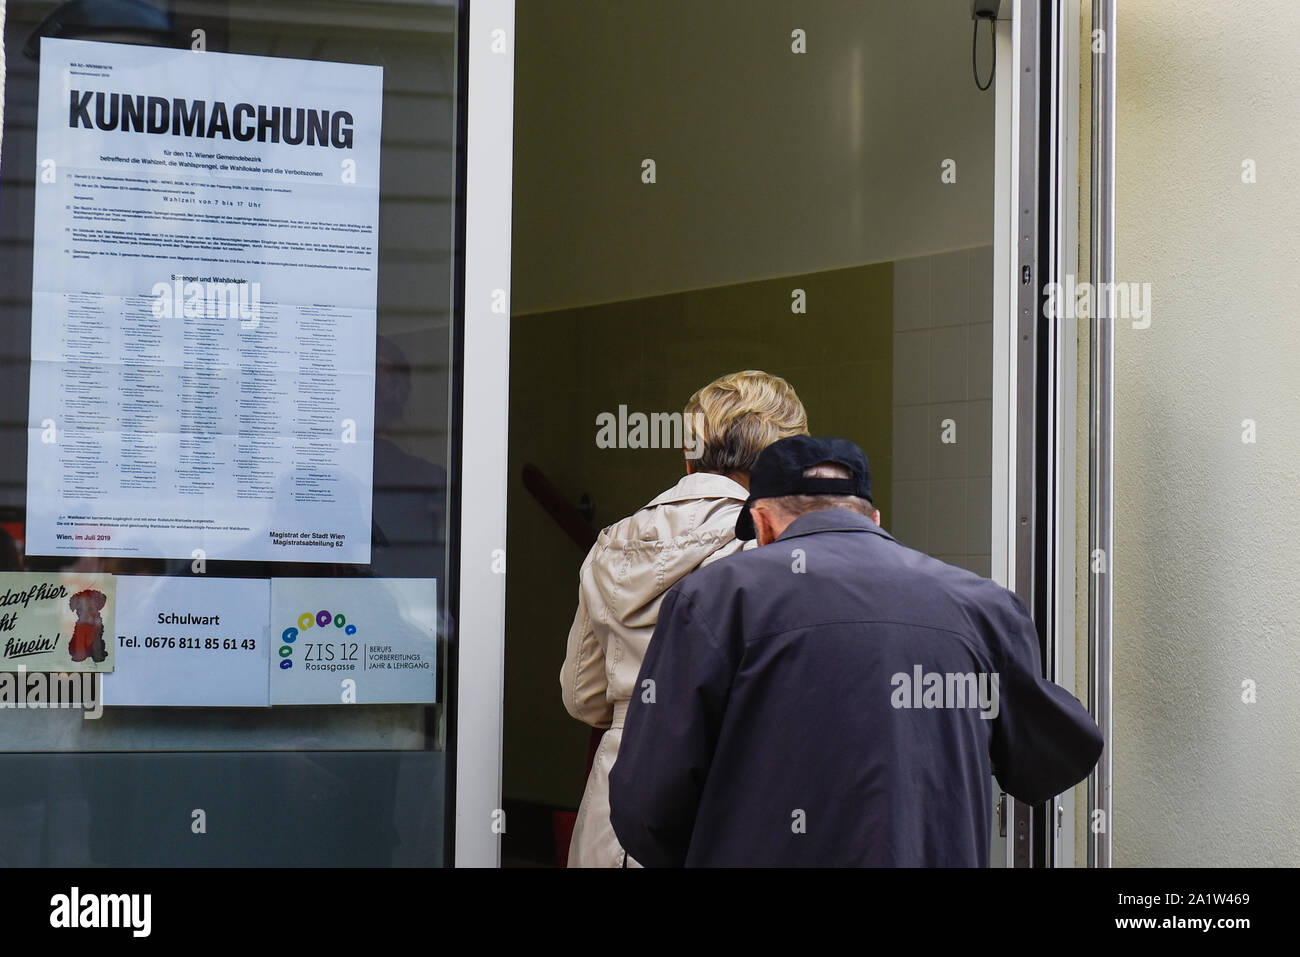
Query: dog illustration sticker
x=57 y=622
x=88 y=633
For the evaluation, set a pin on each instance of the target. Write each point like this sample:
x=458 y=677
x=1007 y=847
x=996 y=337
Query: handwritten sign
x=57 y=621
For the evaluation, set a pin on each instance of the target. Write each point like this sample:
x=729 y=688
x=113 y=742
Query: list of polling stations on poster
x=203 y=305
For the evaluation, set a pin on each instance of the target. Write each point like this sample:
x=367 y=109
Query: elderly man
x=834 y=698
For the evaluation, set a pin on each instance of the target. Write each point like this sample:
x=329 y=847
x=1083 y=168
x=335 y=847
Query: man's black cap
x=780 y=467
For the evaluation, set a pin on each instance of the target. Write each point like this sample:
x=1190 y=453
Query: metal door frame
x=474 y=735
x=1035 y=361
x=1101 y=425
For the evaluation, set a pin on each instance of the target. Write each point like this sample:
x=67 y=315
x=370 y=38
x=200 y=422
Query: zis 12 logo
x=324 y=642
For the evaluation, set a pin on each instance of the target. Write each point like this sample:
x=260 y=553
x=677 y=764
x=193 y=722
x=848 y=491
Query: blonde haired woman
x=635 y=561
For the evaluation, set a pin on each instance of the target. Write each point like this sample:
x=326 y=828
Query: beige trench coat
x=622 y=582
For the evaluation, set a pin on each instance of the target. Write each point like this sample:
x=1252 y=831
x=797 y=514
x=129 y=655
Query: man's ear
x=764 y=523
x=875 y=515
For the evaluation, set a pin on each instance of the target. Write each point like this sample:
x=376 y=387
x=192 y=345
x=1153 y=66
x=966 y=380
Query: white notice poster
x=203 y=305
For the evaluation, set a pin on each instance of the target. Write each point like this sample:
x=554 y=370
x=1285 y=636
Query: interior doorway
x=826 y=216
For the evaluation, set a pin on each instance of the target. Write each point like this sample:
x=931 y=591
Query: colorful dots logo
x=321 y=619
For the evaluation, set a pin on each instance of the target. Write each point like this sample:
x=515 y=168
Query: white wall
x=1207 y=529
x=769 y=163
x=943 y=373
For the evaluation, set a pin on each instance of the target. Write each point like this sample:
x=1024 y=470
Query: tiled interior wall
x=943 y=369
x=933 y=313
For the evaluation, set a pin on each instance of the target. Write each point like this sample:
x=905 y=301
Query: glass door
x=878 y=281
x=231 y=426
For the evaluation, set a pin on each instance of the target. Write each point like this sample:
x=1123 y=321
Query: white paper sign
x=196 y=642
x=354 y=640
x=203 y=305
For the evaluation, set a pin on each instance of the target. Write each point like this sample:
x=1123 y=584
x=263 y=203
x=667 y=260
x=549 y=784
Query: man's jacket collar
x=831 y=520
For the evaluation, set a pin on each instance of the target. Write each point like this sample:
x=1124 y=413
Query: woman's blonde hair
x=737 y=416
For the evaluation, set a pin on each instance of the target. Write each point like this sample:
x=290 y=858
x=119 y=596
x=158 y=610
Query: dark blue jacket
x=817 y=701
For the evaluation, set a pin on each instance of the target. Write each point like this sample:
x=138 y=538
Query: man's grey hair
x=796 y=505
